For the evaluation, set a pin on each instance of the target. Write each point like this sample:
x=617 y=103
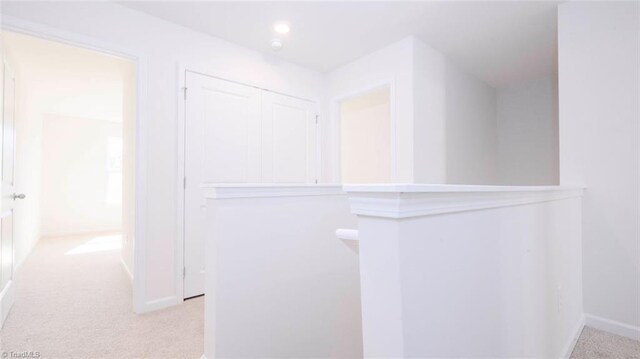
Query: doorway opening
x=74 y=151
x=365 y=137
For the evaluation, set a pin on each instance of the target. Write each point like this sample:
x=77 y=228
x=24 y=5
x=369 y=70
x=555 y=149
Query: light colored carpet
x=73 y=300
x=596 y=344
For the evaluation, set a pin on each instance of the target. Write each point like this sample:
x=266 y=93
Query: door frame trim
x=7 y=295
x=10 y=23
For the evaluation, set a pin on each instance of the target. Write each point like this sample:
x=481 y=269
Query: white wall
x=471 y=129
x=429 y=135
x=528 y=133
x=444 y=119
x=285 y=286
x=365 y=138
x=455 y=130
x=163 y=46
x=517 y=309
x=76 y=194
x=468 y=271
x=599 y=49
x=520 y=308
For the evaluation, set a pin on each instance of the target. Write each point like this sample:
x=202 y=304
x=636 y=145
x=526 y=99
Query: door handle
x=19 y=196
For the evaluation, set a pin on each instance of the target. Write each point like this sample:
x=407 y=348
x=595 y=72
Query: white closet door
x=289 y=150
x=221 y=146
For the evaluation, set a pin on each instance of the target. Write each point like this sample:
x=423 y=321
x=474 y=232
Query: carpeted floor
x=596 y=344
x=73 y=300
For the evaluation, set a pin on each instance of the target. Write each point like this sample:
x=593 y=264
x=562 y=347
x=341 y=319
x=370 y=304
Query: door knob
x=19 y=196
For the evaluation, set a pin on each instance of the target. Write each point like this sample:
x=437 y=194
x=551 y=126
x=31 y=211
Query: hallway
x=73 y=299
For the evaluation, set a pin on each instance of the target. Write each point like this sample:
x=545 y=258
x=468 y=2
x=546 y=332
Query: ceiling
x=66 y=80
x=503 y=43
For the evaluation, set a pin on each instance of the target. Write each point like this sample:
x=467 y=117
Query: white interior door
x=8 y=196
x=289 y=143
x=221 y=146
x=238 y=134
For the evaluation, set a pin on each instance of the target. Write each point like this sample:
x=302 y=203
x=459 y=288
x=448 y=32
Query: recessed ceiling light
x=281 y=28
x=276 y=44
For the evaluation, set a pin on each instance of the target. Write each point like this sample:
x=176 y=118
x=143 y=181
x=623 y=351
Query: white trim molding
x=573 y=340
x=227 y=191
x=415 y=200
x=161 y=303
x=612 y=326
x=7 y=296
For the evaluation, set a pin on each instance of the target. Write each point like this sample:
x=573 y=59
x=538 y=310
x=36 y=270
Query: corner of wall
x=429 y=117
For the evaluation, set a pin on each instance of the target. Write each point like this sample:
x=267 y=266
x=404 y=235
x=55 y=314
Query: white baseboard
x=126 y=269
x=6 y=301
x=573 y=339
x=613 y=327
x=158 y=304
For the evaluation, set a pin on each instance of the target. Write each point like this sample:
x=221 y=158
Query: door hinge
x=184 y=182
x=184 y=272
x=185 y=92
x=316 y=181
x=317 y=119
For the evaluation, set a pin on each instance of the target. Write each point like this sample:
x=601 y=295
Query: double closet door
x=234 y=134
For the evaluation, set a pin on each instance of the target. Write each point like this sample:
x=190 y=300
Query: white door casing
x=8 y=193
x=235 y=133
